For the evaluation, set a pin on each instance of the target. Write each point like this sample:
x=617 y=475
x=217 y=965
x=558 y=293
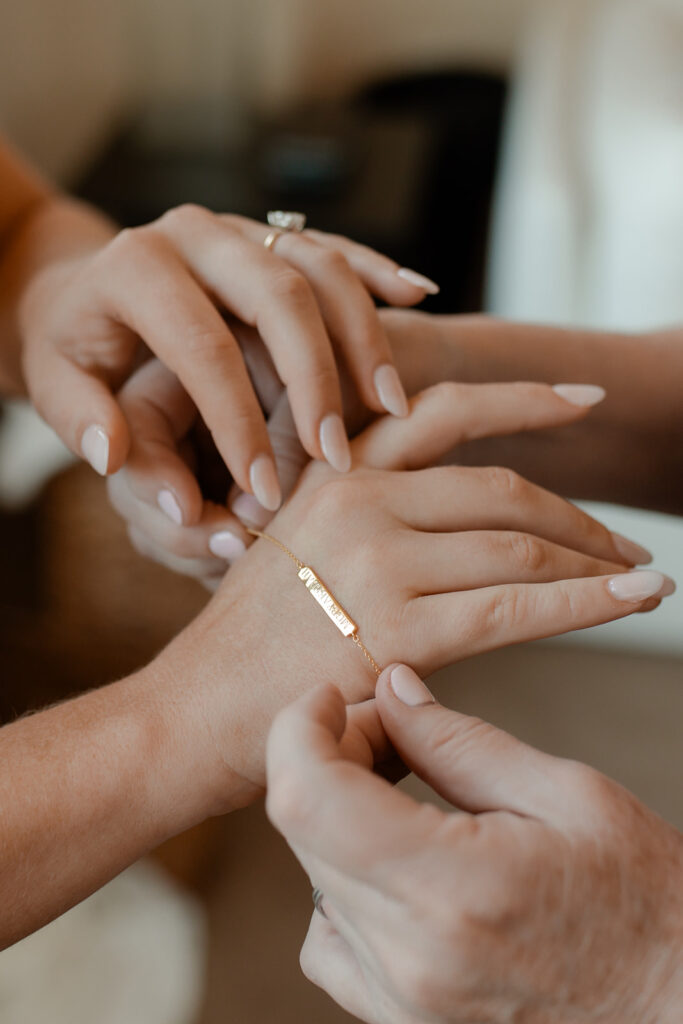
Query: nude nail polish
x=390 y=390
x=419 y=280
x=95 y=448
x=225 y=544
x=409 y=688
x=264 y=482
x=639 y=585
x=630 y=551
x=166 y=500
x=580 y=394
x=248 y=510
x=335 y=443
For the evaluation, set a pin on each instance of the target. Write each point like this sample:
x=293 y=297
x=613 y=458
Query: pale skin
x=549 y=894
x=83 y=304
x=630 y=450
x=108 y=776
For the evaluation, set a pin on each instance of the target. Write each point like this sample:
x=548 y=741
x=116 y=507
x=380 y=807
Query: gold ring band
x=271 y=238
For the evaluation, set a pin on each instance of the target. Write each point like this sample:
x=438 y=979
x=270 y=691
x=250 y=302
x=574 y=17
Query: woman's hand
x=433 y=565
x=550 y=894
x=630 y=452
x=87 y=323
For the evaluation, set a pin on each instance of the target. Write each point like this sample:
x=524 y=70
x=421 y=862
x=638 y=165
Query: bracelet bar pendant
x=328 y=604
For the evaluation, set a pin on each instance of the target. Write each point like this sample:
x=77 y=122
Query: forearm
x=89 y=786
x=629 y=450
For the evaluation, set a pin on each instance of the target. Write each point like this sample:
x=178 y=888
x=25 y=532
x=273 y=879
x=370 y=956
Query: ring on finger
x=318 y=896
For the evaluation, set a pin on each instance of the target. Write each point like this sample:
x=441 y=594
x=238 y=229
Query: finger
x=495 y=498
x=202 y=569
x=330 y=807
x=79 y=407
x=217 y=534
x=351 y=319
x=438 y=563
x=449 y=414
x=273 y=297
x=383 y=277
x=160 y=413
x=166 y=307
x=470 y=763
x=290 y=461
x=464 y=624
x=328 y=961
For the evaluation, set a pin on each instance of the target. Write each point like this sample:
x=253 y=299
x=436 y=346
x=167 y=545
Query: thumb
x=80 y=408
x=470 y=763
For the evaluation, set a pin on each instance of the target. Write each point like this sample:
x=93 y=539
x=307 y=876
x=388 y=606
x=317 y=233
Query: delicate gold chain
x=323 y=596
x=279 y=544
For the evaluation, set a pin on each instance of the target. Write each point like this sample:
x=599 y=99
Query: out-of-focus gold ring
x=271 y=238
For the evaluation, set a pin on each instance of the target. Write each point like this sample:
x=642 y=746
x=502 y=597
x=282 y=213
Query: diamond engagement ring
x=318 y=897
x=286 y=220
x=282 y=222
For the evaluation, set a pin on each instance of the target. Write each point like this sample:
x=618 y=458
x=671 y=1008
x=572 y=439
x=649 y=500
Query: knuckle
x=590 y=788
x=288 y=805
x=130 y=243
x=335 y=499
x=208 y=342
x=527 y=551
x=506 y=610
x=445 y=393
x=505 y=482
x=185 y=216
x=333 y=261
x=291 y=287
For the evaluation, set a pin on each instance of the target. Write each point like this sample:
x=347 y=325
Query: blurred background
x=527 y=156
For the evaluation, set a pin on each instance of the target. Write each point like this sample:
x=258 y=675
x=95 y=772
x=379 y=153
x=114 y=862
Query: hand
x=166 y=285
x=629 y=452
x=550 y=895
x=434 y=565
x=173 y=488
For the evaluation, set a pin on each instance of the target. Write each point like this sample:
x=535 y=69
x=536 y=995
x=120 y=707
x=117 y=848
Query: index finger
x=449 y=414
x=331 y=808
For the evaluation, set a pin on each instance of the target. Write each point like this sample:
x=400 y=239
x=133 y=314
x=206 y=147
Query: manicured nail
x=390 y=390
x=580 y=394
x=630 y=551
x=419 y=280
x=167 y=502
x=225 y=544
x=408 y=687
x=639 y=585
x=248 y=509
x=264 y=483
x=335 y=443
x=95 y=448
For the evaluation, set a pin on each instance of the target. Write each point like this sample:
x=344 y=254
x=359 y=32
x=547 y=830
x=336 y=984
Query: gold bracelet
x=325 y=599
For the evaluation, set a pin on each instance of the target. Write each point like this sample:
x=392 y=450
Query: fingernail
x=408 y=687
x=580 y=394
x=630 y=551
x=166 y=501
x=639 y=585
x=225 y=544
x=419 y=280
x=247 y=508
x=95 y=448
x=390 y=390
x=264 y=483
x=335 y=443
